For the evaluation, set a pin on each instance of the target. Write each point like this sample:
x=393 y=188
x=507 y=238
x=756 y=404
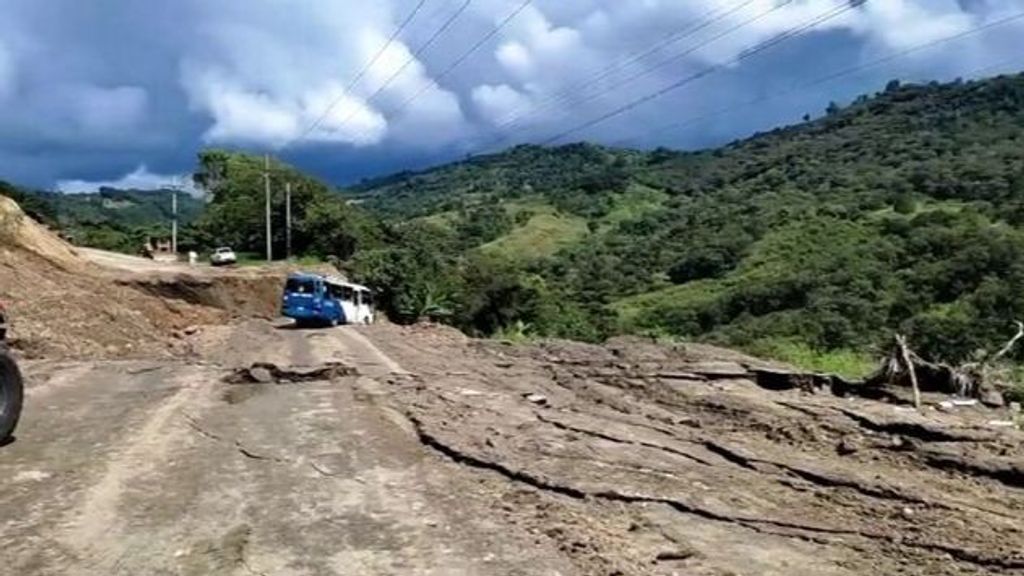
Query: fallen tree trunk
x=903 y=367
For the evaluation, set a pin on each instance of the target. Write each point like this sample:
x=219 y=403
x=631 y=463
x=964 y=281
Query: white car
x=223 y=257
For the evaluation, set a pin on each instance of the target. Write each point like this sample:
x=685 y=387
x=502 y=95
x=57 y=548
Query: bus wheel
x=10 y=395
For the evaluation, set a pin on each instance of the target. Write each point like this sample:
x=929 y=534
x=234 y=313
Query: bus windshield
x=300 y=286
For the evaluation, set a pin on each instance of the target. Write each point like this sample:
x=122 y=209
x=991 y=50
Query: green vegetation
x=847 y=363
x=903 y=211
x=110 y=219
x=543 y=233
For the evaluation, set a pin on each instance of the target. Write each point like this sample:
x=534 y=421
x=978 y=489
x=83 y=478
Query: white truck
x=223 y=256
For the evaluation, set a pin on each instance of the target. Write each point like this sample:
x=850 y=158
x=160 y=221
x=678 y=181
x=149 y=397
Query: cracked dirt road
x=438 y=454
x=162 y=468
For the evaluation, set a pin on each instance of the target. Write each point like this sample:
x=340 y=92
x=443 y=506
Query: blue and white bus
x=314 y=299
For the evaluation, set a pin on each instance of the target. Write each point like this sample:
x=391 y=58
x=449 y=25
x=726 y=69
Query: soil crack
x=601 y=435
x=757 y=524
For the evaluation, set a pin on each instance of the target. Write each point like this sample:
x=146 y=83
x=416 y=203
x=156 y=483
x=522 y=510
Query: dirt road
x=387 y=450
x=161 y=468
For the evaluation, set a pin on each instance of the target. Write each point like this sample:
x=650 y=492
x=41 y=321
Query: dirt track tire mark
x=96 y=529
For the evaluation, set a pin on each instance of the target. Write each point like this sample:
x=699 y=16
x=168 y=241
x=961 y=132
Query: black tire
x=11 y=395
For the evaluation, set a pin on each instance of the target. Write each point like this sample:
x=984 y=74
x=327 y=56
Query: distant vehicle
x=313 y=299
x=223 y=256
x=11 y=387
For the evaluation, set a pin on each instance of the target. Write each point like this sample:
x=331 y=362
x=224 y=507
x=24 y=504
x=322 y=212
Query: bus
x=355 y=300
x=313 y=299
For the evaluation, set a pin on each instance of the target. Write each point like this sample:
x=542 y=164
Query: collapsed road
x=391 y=450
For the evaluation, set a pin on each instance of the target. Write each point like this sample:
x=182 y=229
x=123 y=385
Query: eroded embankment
x=252 y=294
x=60 y=305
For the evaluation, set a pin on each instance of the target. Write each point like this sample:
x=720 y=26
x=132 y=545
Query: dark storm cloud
x=96 y=91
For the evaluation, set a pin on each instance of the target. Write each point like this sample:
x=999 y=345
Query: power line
x=430 y=83
x=676 y=58
x=692 y=28
x=412 y=58
x=841 y=74
x=362 y=73
x=792 y=33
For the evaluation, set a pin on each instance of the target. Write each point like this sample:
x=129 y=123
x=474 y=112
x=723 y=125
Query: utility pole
x=288 y=219
x=174 y=220
x=266 y=183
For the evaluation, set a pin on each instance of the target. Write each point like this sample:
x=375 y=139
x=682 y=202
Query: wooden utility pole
x=288 y=220
x=266 y=185
x=174 y=220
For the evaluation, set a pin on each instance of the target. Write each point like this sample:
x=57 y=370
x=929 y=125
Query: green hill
x=901 y=211
x=110 y=218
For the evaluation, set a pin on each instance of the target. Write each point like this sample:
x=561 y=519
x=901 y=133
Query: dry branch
x=903 y=367
x=908 y=365
x=1009 y=345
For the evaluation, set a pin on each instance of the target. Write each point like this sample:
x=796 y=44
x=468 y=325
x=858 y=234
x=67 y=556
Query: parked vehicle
x=223 y=256
x=11 y=386
x=314 y=299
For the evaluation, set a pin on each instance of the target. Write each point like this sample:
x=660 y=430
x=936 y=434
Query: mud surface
x=388 y=450
x=642 y=459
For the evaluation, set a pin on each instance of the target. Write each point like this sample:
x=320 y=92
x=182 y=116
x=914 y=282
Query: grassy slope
x=803 y=218
x=637 y=201
x=544 y=234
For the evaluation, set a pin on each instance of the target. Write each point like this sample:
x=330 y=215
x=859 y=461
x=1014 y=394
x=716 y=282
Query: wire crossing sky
x=109 y=94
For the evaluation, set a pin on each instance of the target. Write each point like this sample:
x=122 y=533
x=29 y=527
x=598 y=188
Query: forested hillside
x=902 y=211
x=110 y=218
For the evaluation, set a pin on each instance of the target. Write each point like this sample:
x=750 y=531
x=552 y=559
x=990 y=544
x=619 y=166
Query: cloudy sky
x=127 y=91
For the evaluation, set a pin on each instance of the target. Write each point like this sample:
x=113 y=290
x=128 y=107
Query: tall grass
x=849 y=364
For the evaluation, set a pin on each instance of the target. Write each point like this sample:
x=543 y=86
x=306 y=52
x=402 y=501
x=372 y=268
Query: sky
x=126 y=92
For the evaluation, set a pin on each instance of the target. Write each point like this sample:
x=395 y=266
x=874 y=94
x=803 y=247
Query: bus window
x=300 y=286
x=366 y=297
x=347 y=294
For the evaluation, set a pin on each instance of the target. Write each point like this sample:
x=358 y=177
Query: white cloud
x=106 y=87
x=339 y=117
x=139 y=179
x=516 y=58
x=496 y=103
x=269 y=90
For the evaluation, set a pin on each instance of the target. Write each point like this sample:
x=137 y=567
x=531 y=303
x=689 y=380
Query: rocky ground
x=636 y=458
x=391 y=450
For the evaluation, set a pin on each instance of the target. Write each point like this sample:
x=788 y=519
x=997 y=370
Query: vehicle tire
x=11 y=395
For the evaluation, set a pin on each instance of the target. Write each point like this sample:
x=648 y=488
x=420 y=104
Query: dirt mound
x=61 y=307
x=19 y=231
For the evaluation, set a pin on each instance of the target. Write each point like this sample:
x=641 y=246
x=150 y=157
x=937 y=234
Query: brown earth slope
x=62 y=306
